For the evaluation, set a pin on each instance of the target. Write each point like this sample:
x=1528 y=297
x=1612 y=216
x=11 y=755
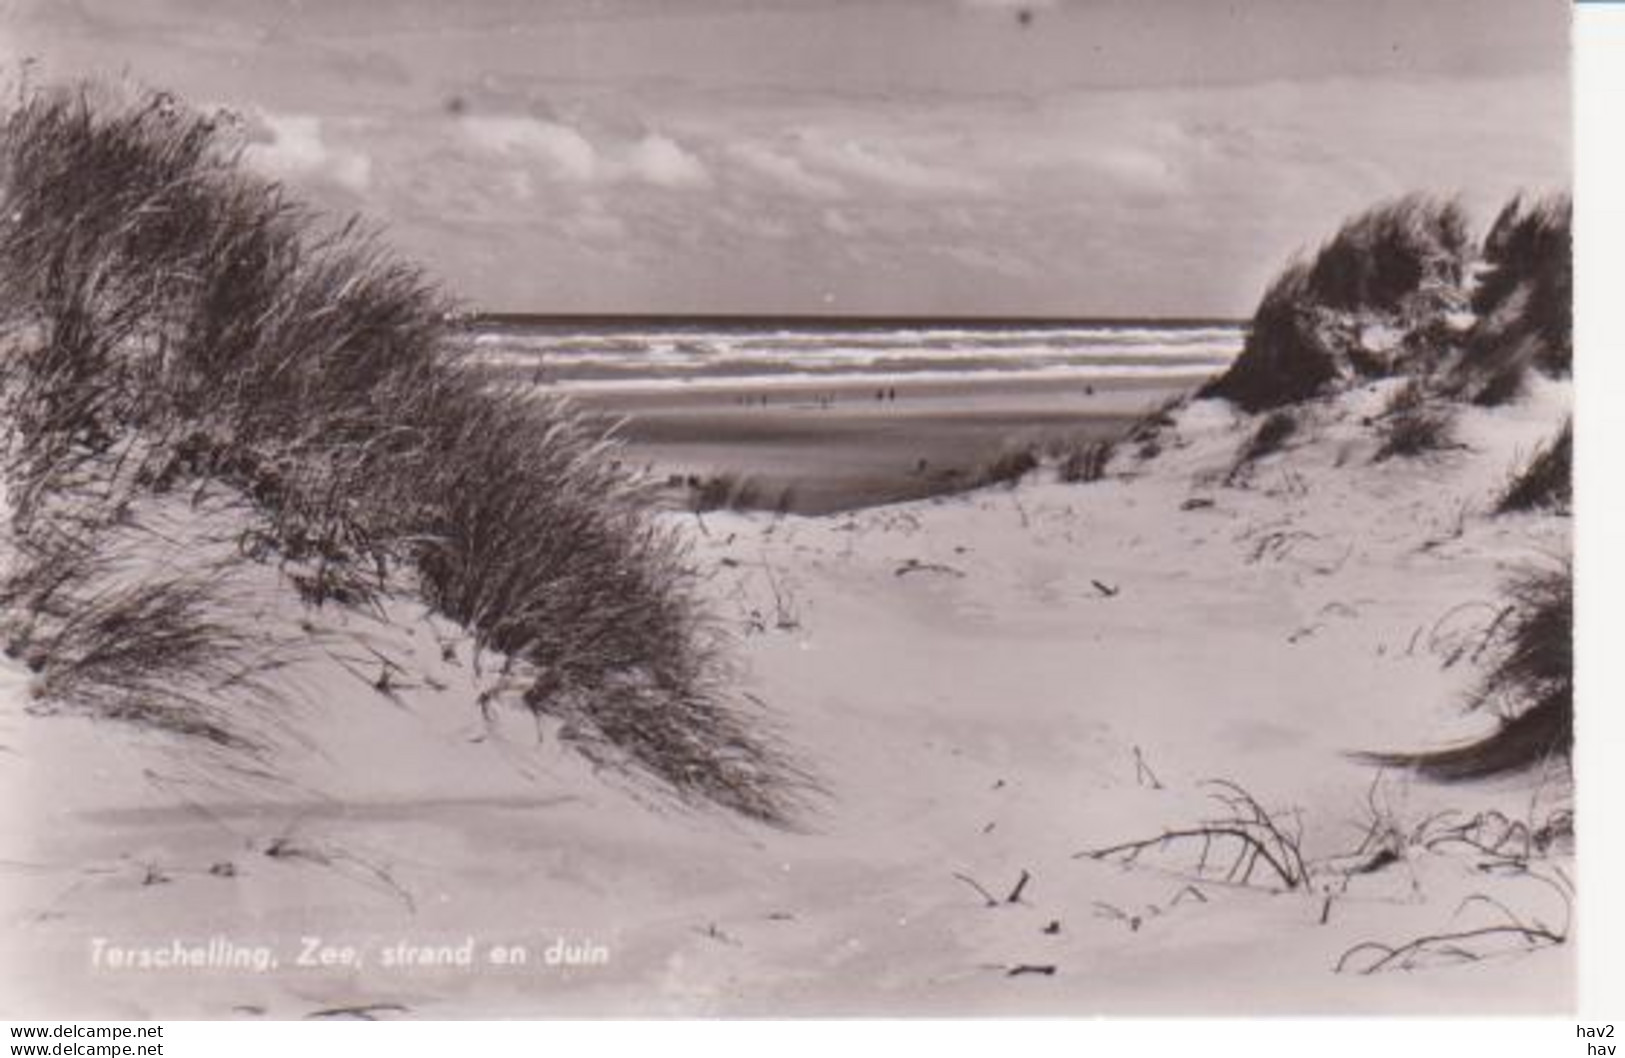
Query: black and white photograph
x=673 y=509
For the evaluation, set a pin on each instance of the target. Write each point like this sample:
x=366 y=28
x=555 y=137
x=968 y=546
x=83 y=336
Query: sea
x=604 y=354
x=821 y=415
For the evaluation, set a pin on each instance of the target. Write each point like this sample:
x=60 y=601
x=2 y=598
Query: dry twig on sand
x=1466 y=945
x=363 y=1012
x=1252 y=839
x=988 y=899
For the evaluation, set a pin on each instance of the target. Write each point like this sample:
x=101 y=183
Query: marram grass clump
x=1546 y=482
x=1528 y=684
x=1522 y=303
x=1400 y=264
x=1402 y=290
x=169 y=319
x=1414 y=423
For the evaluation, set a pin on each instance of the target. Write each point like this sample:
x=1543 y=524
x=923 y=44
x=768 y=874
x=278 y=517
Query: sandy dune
x=988 y=685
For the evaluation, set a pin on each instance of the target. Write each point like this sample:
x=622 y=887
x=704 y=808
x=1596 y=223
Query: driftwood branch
x=1046 y=970
x=1254 y=839
x=1532 y=934
x=1443 y=944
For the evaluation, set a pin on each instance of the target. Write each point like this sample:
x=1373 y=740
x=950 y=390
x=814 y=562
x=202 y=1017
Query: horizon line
x=477 y=318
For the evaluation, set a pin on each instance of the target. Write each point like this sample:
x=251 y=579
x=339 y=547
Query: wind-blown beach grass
x=1399 y=264
x=171 y=320
x=1405 y=269
x=1546 y=481
x=1523 y=302
x=1528 y=685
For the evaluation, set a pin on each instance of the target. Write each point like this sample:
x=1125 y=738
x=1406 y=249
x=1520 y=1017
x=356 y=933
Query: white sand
x=975 y=704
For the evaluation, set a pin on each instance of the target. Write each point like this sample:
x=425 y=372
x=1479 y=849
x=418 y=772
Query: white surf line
x=1078 y=373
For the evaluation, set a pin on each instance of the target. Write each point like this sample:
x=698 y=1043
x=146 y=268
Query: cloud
x=570 y=156
x=561 y=147
x=292 y=146
x=659 y=160
x=888 y=165
x=1141 y=169
x=594 y=224
x=785 y=171
x=1138 y=201
x=839 y=223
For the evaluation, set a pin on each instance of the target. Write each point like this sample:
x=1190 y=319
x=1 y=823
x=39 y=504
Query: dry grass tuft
x=1413 y=424
x=1007 y=468
x=1529 y=685
x=1277 y=428
x=1086 y=463
x=1546 y=482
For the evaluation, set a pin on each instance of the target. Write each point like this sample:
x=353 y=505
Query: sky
x=858 y=157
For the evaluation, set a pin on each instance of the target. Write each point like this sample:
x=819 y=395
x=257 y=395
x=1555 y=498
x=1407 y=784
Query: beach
x=823 y=418
x=819 y=450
